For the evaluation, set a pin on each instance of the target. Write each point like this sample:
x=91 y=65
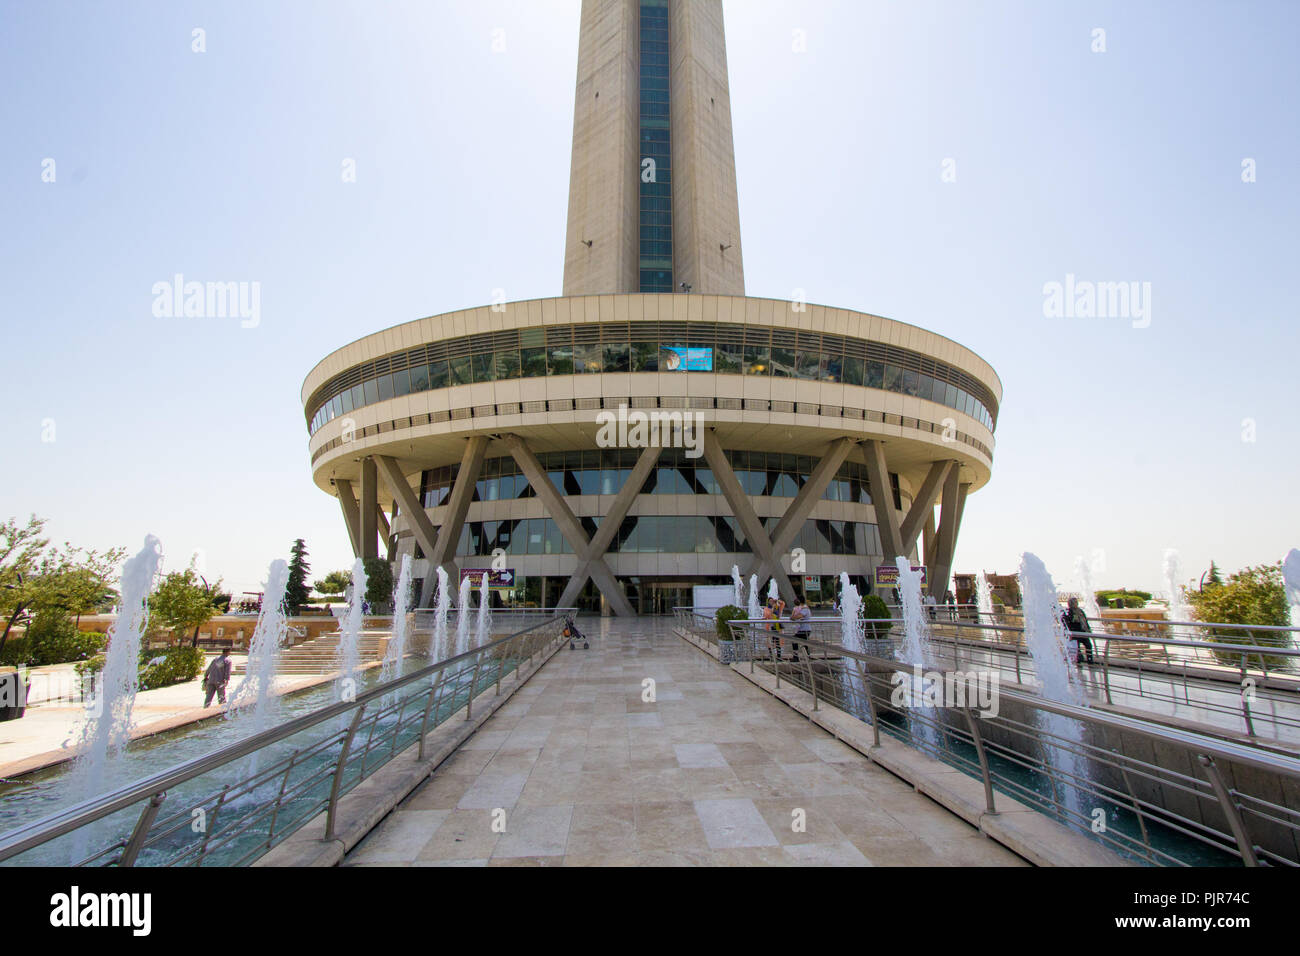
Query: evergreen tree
x=298 y=591
x=1215 y=577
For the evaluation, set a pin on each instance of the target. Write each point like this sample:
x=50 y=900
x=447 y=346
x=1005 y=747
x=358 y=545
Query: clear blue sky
x=225 y=166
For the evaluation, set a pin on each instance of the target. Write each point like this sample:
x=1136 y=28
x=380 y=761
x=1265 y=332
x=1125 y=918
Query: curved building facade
x=653 y=427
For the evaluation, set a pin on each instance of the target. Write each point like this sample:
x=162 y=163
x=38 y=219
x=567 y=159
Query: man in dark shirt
x=216 y=678
x=1076 y=626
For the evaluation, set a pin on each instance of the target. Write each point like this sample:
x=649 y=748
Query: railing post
x=428 y=706
x=473 y=683
x=397 y=726
x=279 y=798
x=984 y=759
x=1105 y=670
x=812 y=674
x=338 y=773
x=141 y=831
x=1230 y=810
x=211 y=825
x=503 y=651
x=871 y=701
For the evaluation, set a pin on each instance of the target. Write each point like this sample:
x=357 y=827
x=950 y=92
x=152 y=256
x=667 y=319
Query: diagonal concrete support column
x=929 y=541
x=923 y=503
x=609 y=525
x=954 y=503
x=569 y=525
x=882 y=498
x=443 y=553
x=348 y=502
x=743 y=510
x=368 y=506
x=787 y=529
x=418 y=519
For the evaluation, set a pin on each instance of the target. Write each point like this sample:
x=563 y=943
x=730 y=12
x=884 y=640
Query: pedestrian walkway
x=578 y=768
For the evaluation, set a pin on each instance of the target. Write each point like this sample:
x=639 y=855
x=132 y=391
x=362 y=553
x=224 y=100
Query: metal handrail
x=98 y=808
x=1239 y=809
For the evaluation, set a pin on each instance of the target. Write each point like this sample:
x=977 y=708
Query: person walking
x=1076 y=627
x=772 y=613
x=801 y=617
x=216 y=678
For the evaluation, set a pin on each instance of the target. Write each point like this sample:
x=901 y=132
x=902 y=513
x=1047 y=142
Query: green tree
x=75 y=581
x=50 y=583
x=183 y=600
x=1251 y=596
x=1215 y=577
x=379 y=584
x=20 y=550
x=297 y=592
x=334 y=583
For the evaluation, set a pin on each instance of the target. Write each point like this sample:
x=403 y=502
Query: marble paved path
x=579 y=770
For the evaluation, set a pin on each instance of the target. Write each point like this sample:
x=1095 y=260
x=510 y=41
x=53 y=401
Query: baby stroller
x=574 y=635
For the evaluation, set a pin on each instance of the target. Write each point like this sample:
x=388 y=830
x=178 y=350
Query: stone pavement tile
x=973 y=850
x=526 y=861
x=752 y=856
x=606 y=759
x=818 y=827
x=442 y=791
x=768 y=781
x=490 y=791
x=870 y=778
x=549 y=788
x=733 y=823
x=701 y=856
x=602 y=829
x=741 y=754
x=400 y=839
x=466 y=761
x=857 y=815
x=616 y=858
x=669 y=826
x=486 y=739
x=526 y=737
x=827 y=854
x=601 y=786
x=831 y=750
x=653 y=759
x=651 y=718
x=463 y=835
x=711 y=783
x=482 y=862
x=699 y=755
x=512 y=761
x=534 y=832
x=817 y=778
x=656 y=784
x=896 y=851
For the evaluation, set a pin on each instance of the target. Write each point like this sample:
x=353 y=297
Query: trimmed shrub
x=874 y=606
x=176 y=665
x=92 y=666
x=16 y=653
x=54 y=639
x=727 y=613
